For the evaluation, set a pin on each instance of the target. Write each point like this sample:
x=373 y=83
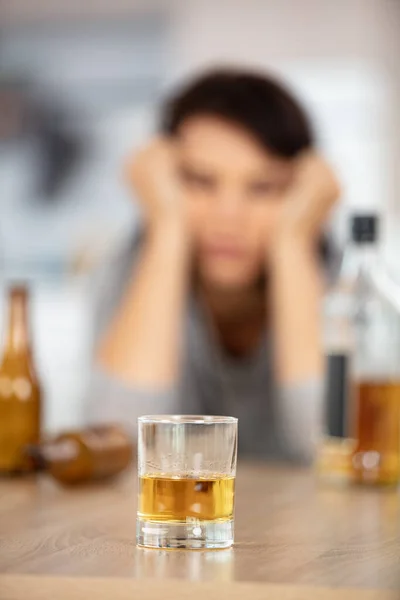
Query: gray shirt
x=274 y=421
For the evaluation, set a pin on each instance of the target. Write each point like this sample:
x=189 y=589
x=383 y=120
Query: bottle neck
x=358 y=257
x=54 y=454
x=17 y=336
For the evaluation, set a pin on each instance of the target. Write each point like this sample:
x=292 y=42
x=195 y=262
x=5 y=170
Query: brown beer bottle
x=20 y=394
x=94 y=453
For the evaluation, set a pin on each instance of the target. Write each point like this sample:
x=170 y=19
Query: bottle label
x=337 y=395
x=61 y=451
x=110 y=447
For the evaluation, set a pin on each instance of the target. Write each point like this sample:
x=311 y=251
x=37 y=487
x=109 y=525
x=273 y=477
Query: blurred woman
x=218 y=312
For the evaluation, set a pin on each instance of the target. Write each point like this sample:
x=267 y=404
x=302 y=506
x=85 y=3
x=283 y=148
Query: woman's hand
x=153 y=175
x=142 y=345
x=296 y=282
x=309 y=199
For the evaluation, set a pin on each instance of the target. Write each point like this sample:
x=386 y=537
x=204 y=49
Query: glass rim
x=188 y=419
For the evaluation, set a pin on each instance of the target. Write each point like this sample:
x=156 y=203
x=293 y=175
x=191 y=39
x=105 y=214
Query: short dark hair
x=255 y=102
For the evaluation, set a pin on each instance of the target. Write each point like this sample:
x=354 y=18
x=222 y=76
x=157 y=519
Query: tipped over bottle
x=91 y=454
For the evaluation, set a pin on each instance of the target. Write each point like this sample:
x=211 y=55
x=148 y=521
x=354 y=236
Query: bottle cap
x=35 y=456
x=364 y=228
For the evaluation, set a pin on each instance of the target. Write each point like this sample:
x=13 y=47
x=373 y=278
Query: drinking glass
x=187 y=469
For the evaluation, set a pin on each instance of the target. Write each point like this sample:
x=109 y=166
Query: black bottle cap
x=364 y=228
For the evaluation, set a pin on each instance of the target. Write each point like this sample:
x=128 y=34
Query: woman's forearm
x=296 y=290
x=142 y=343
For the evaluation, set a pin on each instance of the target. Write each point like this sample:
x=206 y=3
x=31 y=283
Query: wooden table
x=295 y=540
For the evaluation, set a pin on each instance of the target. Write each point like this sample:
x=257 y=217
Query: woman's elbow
x=109 y=399
x=301 y=420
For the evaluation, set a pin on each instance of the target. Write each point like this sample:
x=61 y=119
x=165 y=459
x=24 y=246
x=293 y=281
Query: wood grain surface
x=23 y=587
x=289 y=530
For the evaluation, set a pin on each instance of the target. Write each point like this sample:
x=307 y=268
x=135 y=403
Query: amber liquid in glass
x=20 y=394
x=166 y=498
x=376 y=458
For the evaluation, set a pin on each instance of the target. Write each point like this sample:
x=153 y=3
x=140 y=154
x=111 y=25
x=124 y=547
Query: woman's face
x=234 y=190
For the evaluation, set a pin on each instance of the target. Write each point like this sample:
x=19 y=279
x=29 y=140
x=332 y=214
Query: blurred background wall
x=80 y=88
